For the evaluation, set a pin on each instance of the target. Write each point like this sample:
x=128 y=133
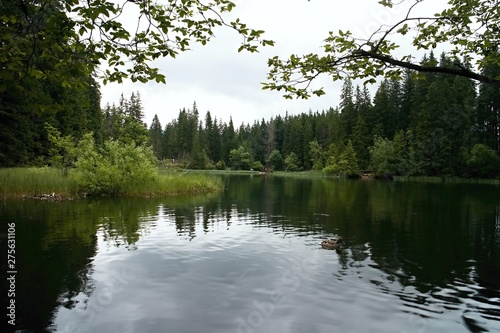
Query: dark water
x=418 y=258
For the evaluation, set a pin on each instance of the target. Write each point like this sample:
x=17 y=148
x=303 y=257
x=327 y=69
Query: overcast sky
x=227 y=83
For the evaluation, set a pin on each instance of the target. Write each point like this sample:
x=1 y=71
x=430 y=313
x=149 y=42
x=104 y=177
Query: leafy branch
x=470 y=27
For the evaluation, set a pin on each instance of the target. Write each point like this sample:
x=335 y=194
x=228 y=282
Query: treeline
x=421 y=124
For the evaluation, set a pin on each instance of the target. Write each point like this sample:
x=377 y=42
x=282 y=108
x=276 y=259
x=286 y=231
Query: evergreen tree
x=213 y=139
x=228 y=140
x=156 y=137
x=279 y=132
x=133 y=108
x=347 y=107
x=486 y=128
x=348 y=162
x=361 y=141
x=307 y=136
x=169 y=142
x=292 y=141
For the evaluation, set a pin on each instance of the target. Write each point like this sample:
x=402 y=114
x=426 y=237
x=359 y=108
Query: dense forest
x=426 y=124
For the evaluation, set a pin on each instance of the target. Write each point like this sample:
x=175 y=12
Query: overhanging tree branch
x=460 y=71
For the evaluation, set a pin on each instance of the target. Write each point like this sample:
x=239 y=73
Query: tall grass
x=21 y=182
x=176 y=184
x=32 y=182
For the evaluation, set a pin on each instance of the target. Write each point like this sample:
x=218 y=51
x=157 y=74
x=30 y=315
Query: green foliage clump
x=113 y=168
x=483 y=162
x=257 y=166
x=291 y=162
x=275 y=160
x=392 y=157
x=382 y=157
x=221 y=165
x=317 y=155
x=62 y=151
x=240 y=159
x=345 y=165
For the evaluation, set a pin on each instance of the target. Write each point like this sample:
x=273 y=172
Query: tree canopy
x=116 y=39
x=469 y=29
x=69 y=40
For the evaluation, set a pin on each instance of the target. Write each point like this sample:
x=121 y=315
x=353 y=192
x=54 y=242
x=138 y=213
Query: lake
x=418 y=257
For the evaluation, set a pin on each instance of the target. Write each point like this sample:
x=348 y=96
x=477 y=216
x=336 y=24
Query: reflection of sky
x=238 y=276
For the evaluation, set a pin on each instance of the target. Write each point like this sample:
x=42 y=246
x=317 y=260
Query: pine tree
x=133 y=108
x=213 y=139
x=169 y=141
x=307 y=136
x=347 y=107
x=486 y=118
x=361 y=141
x=156 y=137
x=228 y=140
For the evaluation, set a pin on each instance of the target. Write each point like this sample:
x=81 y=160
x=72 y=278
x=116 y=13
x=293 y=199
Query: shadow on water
x=436 y=247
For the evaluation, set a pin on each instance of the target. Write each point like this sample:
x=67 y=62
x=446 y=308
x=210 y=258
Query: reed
x=32 y=182
x=48 y=182
x=175 y=185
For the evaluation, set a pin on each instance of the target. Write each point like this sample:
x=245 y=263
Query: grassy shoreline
x=48 y=183
x=321 y=174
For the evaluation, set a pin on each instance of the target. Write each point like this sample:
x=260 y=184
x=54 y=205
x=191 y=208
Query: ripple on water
x=249 y=276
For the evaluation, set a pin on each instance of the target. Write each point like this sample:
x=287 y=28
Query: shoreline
x=47 y=184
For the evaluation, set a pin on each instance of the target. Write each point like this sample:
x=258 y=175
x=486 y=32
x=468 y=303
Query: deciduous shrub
x=114 y=168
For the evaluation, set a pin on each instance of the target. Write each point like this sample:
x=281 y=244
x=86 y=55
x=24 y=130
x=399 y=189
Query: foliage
x=483 y=162
x=317 y=155
x=113 y=168
x=83 y=36
x=221 y=165
x=156 y=136
x=346 y=164
x=343 y=164
x=469 y=27
x=431 y=123
x=240 y=159
x=275 y=160
x=257 y=166
x=382 y=156
x=292 y=162
x=63 y=151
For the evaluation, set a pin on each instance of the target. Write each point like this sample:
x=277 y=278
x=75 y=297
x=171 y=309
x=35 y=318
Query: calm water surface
x=418 y=258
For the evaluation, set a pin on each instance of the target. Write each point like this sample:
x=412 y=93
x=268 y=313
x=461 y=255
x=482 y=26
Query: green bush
x=382 y=156
x=275 y=160
x=114 y=168
x=221 y=165
x=346 y=164
x=240 y=159
x=483 y=162
x=292 y=162
x=257 y=166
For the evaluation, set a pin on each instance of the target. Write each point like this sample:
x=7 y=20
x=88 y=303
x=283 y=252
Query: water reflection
x=418 y=257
